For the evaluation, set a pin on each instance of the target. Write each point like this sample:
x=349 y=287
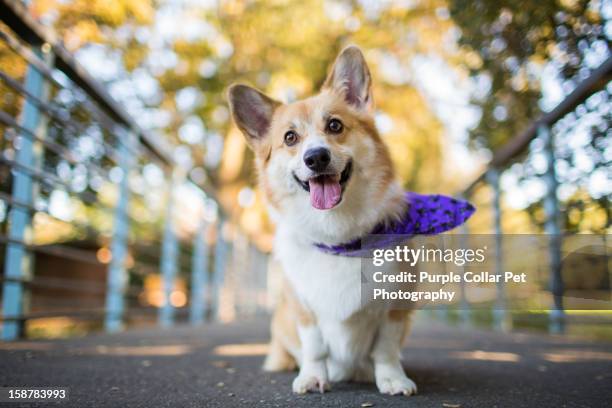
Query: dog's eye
x=335 y=126
x=291 y=138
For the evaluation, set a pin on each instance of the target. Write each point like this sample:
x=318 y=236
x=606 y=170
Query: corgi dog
x=328 y=179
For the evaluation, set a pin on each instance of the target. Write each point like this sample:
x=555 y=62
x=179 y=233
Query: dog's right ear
x=351 y=77
x=252 y=111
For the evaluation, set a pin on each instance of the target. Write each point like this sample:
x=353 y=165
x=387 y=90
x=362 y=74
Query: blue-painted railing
x=39 y=133
x=515 y=151
x=56 y=108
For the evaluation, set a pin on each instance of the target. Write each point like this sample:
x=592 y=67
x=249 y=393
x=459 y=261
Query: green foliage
x=512 y=39
x=509 y=43
x=282 y=47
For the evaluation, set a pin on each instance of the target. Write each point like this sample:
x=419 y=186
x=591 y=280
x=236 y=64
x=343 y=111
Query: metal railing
x=89 y=200
x=64 y=136
x=512 y=152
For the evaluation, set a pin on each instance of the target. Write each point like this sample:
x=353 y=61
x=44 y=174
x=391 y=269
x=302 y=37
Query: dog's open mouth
x=326 y=189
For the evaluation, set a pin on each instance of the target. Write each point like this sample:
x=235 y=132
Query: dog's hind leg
x=284 y=344
x=278 y=358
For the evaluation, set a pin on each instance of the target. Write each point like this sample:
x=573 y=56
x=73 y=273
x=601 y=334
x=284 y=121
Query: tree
x=511 y=48
x=189 y=53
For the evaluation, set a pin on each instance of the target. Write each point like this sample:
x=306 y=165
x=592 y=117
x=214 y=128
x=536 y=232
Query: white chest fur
x=326 y=284
x=330 y=287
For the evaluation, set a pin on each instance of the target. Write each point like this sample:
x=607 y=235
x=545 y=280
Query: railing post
x=553 y=230
x=500 y=316
x=18 y=262
x=219 y=269
x=169 y=257
x=240 y=262
x=117 y=273
x=199 y=272
x=464 y=305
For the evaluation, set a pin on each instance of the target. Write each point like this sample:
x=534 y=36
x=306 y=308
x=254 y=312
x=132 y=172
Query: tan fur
x=265 y=123
x=402 y=316
x=289 y=311
x=287 y=314
x=314 y=110
x=284 y=336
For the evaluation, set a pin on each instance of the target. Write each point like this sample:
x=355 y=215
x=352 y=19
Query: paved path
x=218 y=366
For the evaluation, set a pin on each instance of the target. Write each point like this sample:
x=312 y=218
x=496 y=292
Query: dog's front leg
x=386 y=354
x=313 y=371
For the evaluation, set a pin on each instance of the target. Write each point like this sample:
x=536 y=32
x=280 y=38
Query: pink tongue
x=325 y=192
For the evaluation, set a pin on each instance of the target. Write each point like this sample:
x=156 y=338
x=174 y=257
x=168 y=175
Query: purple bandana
x=426 y=215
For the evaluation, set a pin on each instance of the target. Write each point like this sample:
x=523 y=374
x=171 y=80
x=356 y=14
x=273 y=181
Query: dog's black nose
x=317 y=159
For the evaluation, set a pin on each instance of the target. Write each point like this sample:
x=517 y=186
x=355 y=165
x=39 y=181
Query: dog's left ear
x=252 y=112
x=350 y=76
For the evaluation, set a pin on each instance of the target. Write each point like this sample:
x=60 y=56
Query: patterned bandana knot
x=426 y=215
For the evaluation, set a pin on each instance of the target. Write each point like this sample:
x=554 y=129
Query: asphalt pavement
x=218 y=365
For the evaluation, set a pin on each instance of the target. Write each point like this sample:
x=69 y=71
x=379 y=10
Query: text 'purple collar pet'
x=426 y=215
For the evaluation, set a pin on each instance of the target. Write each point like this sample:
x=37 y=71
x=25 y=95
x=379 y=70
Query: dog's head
x=321 y=157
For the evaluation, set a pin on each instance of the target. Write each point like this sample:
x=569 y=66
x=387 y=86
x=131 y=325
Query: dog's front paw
x=311 y=381
x=396 y=384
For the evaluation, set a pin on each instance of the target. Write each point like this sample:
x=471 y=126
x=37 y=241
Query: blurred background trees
x=454 y=80
x=530 y=55
x=511 y=42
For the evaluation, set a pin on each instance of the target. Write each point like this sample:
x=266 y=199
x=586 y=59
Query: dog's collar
x=426 y=215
